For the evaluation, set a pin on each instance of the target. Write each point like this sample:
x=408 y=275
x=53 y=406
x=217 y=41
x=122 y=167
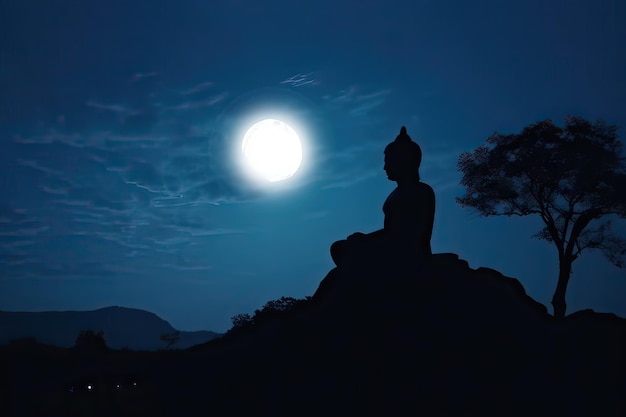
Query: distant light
x=134 y=384
x=117 y=386
x=89 y=387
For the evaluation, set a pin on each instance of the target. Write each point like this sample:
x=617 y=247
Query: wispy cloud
x=350 y=180
x=55 y=191
x=102 y=140
x=439 y=168
x=316 y=215
x=17 y=244
x=24 y=232
x=366 y=106
x=300 y=80
x=18 y=226
x=14 y=215
x=47 y=138
x=353 y=165
x=190 y=105
x=115 y=193
x=146 y=187
x=37 y=166
x=73 y=203
x=187 y=267
x=118 y=109
x=143 y=75
x=121 y=239
x=358 y=103
x=348 y=154
x=197 y=88
x=75 y=140
x=33 y=268
x=204 y=231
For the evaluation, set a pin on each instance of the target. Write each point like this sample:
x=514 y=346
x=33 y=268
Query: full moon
x=272 y=150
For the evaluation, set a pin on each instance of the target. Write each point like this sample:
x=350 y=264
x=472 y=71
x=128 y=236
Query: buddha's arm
x=409 y=220
x=378 y=233
x=373 y=235
x=412 y=221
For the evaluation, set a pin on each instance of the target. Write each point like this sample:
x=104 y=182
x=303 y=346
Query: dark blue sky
x=118 y=184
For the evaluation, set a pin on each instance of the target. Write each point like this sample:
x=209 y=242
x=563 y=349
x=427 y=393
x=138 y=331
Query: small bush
x=241 y=320
x=88 y=340
x=271 y=309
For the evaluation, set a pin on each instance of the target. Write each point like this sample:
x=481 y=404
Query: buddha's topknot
x=403 y=136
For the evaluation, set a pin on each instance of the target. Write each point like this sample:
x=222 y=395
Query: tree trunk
x=558 y=299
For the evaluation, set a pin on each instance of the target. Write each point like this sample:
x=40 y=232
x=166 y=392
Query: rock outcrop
x=438 y=338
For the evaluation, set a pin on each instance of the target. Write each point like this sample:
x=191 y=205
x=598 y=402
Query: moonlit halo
x=272 y=151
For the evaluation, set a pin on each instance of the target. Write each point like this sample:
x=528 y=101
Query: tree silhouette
x=88 y=340
x=170 y=339
x=571 y=177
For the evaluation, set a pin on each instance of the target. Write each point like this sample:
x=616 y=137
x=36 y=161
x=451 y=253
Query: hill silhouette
x=436 y=338
x=123 y=328
x=429 y=338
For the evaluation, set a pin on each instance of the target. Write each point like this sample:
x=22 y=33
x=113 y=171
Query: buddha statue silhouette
x=409 y=213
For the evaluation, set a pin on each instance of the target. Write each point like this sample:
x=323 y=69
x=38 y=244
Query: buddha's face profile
x=397 y=166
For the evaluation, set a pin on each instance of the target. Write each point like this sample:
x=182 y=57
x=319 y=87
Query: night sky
x=120 y=123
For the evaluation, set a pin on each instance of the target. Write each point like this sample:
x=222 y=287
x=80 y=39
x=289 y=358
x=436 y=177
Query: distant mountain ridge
x=123 y=328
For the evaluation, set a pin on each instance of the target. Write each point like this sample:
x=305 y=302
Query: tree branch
x=579 y=226
x=552 y=229
x=567 y=218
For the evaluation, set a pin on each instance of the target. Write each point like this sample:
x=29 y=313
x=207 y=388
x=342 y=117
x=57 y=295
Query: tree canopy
x=571 y=177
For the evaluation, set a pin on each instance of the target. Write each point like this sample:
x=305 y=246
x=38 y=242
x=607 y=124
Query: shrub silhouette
x=89 y=340
x=170 y=339
x=241 y=320
x=271 y=309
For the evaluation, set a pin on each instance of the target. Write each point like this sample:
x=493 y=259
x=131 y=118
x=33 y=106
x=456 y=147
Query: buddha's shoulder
x=421 y=189
x=425 y=188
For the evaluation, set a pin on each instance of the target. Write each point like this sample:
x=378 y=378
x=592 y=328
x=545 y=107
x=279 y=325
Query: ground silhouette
x=393 y=330
x=423 y=338
x=434 y=338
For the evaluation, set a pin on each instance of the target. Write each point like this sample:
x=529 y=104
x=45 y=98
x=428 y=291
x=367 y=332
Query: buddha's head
x=403 y=158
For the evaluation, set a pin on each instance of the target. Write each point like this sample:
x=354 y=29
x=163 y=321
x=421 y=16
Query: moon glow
x=272 y=150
